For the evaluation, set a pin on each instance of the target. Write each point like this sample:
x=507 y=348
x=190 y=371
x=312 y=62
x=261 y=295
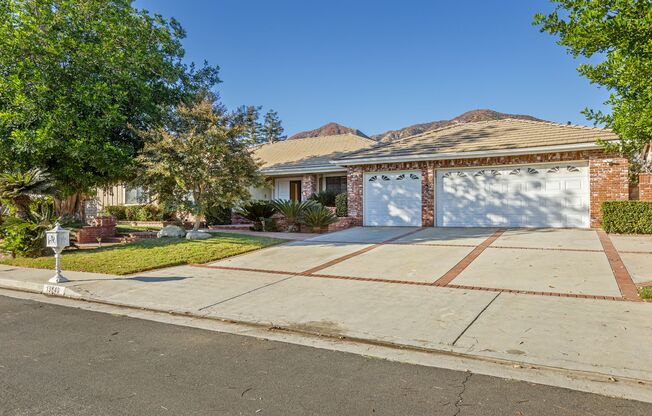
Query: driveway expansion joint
x=456 y=270
x=475 y=319
x=621 y=274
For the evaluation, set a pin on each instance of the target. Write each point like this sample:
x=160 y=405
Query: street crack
x=460 y=395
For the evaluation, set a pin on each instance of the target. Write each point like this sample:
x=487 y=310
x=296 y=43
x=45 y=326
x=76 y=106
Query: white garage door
x=514 y=196
x=392 y=198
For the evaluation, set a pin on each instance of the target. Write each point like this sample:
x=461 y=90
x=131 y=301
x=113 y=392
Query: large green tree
x=79 y=81
x=200 y=159
x=617 y=35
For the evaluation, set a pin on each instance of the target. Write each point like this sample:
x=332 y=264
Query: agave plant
x=292 y=211
x=18 y=188
x=318 y=217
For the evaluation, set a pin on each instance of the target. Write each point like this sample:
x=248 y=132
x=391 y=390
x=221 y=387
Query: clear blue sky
x=380 y=65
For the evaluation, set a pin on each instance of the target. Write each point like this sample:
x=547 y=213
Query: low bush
x=292 y=211
x=627 y=217
x=217 y=215
x=326 y=198
x=149 y=213
x=318 y=217
x=119 y=212
x=256 y=211
x=341 y=205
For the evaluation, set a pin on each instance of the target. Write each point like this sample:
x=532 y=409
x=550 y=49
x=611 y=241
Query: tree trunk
x=69 y=206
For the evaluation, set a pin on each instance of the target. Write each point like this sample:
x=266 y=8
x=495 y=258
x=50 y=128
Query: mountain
x=469 y=116
x=330 y=129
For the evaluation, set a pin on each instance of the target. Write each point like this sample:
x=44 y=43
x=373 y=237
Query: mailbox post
x=57 y=239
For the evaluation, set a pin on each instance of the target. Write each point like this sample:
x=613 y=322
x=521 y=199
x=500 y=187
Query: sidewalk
x=604 y=340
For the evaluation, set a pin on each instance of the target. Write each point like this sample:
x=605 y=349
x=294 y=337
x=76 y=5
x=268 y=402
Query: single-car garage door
x=392 y=198
x=514 y=196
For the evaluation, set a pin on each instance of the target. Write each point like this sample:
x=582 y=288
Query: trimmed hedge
x=341 y=205
x=627 y=217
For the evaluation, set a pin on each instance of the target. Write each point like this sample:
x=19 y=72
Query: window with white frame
x=135 y=195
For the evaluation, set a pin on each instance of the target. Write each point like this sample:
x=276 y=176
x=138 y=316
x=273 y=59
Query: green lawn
x=149 y=254
x=646 y=292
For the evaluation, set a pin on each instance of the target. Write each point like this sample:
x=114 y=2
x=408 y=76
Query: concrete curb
x=594 y=382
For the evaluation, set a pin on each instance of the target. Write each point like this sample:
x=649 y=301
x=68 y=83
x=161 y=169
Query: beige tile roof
x=310 y=153
x=485 y=136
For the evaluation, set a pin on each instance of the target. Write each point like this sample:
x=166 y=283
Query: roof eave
x=298 y=171
x=466 y=155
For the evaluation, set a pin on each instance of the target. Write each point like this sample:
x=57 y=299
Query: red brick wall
x=309 y=185
x=90 y=234
x=645 y=186
x=607 y=181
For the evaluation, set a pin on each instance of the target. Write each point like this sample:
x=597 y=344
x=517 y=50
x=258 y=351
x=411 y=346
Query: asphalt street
x=58 y=360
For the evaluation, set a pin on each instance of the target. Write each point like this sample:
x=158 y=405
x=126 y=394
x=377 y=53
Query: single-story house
x=507 y=173
x=510 y=172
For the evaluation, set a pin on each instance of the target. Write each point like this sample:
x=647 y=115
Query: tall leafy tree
x=199 y=159
x=80 y=79
x=272 y=130
x=617 y=34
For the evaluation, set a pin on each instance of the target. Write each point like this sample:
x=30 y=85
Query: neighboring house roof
x=483 y=138
x=311 y=154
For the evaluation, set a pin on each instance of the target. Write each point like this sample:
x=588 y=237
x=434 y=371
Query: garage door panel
x=392 y=198
x=520 y=196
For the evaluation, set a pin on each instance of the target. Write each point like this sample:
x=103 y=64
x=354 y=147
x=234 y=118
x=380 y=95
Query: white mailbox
x=57 y=238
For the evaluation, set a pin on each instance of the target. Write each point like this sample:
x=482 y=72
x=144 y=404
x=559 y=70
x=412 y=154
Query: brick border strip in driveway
x=357 y=253
x=623 y=278
x=450 y=275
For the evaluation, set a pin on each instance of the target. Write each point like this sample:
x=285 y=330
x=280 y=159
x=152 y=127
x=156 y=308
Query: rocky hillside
x=469 y=116
x=330 y=129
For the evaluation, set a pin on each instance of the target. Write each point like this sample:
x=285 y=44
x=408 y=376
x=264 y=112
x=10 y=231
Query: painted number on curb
x=53 y=290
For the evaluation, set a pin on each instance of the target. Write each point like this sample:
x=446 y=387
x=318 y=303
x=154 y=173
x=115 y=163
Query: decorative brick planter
x=102 y=227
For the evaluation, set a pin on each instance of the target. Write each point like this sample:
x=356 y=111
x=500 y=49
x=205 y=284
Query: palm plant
x=326 y=198
x=318 y=217
x=256 y=211
x=18 y=188
x=292 y=211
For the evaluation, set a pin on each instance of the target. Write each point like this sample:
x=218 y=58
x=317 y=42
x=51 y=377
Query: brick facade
x=645 y=186
x=309 y=184
x=607 y=176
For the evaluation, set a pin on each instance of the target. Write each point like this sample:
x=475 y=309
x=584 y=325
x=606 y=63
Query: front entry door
x=295 y=190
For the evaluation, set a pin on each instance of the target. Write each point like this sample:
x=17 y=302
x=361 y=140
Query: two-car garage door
x=512 y=196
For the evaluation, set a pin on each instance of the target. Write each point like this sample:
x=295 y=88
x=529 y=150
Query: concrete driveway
x=546 y=262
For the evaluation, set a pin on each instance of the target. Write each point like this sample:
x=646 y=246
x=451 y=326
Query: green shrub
x=318 y=216
x=627 y=217
x=256 y=210
x=23 y=237
x=270 y=225
x=131 y=212
x=149 y=213
x=119 y=212
x=217 y=215
x=326 y=198
x=292 y=211
x=341 y=205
